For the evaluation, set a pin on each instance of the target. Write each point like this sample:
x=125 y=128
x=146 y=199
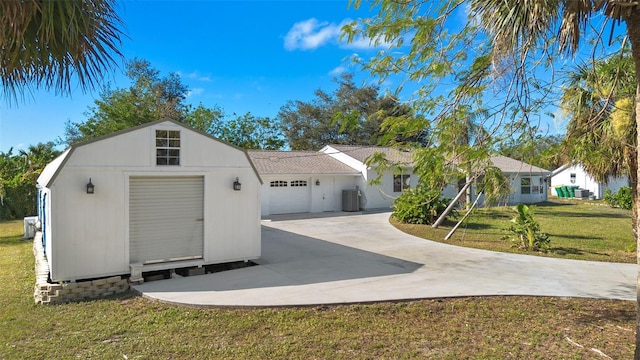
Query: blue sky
x=243 y=56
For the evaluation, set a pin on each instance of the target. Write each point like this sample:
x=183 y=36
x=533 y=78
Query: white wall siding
x=382 y=196
x=327 y=196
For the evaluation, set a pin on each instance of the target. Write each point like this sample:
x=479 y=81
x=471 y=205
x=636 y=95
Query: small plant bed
x=577 y=229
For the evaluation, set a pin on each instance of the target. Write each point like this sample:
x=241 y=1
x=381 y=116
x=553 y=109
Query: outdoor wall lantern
x=237 y=185
x=317 y=182
x=90 y=187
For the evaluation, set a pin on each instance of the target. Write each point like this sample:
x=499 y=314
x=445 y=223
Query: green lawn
x=583 y=230
x=131 y=327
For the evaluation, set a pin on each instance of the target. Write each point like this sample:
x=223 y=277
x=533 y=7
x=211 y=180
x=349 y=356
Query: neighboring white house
x=576 y=175
x=155 y=197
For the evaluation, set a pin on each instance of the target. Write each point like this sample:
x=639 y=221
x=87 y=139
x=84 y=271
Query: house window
x=525 y=186
x=299 y=183
x=167 y=147
x=279 y=183
x=573 y=178
x=401 y=182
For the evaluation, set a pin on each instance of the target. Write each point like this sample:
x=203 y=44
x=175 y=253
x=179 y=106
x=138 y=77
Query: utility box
x=581 y=193
x=351 y=200
x=30 y=227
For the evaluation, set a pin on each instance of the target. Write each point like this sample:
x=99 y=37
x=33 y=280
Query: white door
x=291 y=195
x=165 y=218
x=327 y=187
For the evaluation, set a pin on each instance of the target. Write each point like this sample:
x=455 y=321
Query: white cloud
x=195 y=91
x=195 y=75
x=338 y=70
x=311 y=34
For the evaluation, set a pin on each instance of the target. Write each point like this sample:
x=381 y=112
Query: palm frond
x=50 y=44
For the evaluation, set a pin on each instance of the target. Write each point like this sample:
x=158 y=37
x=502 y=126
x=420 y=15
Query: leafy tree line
x=18 y=175
x=151 y=97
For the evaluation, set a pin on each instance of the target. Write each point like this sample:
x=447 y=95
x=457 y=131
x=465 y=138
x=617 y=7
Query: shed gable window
x=401 y=182
x=525 y=186
x=573 y=178
x=167 y=147
x=299 y=183
x=278 y=183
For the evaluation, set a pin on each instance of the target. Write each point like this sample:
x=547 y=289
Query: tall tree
x=350 y=115
x=49 y=43
x=250 y=132
x=18 y=175
x=536 y=148
x=601 y=134
x=598 y=99
x=150 y=97
x=505 y=53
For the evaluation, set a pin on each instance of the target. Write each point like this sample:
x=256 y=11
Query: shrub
x=419 y=206
x=526 y=230
x=622 y=199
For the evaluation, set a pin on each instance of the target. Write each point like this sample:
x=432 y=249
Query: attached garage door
x=288 y=196
x=165 y=218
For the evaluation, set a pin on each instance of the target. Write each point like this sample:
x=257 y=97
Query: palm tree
x=48 y=44
x=519 y=27
x=600 y=135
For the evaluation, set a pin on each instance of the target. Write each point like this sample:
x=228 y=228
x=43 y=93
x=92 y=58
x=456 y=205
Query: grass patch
x=131 y=327
x=582 y=230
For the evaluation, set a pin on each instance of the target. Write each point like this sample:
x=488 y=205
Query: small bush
x=622 y=199
x=419 y=206
x=526 y=230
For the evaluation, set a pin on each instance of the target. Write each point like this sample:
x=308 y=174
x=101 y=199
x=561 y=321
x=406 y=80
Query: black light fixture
x=90 y=187
x=237 y=185
x=317 y=182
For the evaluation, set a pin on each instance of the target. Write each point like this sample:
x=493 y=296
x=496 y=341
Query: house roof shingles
x=361 y=153
x=269 y=162
x=509 y=165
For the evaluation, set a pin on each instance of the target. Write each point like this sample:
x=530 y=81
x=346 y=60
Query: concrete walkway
x=349 y=258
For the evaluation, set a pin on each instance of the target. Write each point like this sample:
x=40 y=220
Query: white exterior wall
x=381 y=196
x=585 y=181
x=516 y=194
x=89 y=234
x=324 y=197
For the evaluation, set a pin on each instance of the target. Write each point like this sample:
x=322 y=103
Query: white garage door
x=165 y=218
x=288 y=196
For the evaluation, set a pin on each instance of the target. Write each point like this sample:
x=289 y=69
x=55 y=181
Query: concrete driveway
x=350 y=258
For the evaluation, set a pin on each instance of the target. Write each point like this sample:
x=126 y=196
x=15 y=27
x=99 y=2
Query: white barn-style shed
x=154 y=197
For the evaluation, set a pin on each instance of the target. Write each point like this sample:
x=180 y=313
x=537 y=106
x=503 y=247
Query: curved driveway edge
x=353 y=258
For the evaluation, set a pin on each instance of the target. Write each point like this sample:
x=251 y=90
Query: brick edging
x=55 y=293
